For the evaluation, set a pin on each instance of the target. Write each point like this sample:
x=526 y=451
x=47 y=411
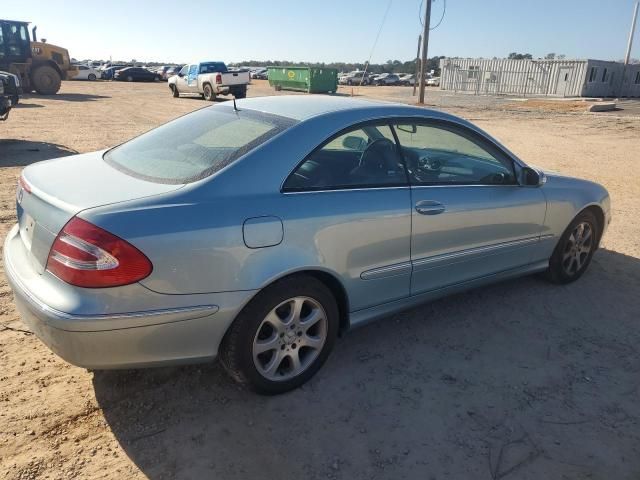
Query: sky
x=327 y=30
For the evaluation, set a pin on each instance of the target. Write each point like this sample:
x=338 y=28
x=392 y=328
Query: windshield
x=213 y=67
x=196 y=145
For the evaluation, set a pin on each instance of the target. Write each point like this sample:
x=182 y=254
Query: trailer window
x=592 y=74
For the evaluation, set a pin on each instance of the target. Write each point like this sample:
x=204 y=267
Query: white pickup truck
x=209 y=79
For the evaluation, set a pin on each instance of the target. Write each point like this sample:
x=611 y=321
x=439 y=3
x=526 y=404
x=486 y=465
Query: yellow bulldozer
x=39 y=65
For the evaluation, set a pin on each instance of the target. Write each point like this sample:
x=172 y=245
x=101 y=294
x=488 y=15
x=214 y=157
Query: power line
x=444 y=10
x=384 y=18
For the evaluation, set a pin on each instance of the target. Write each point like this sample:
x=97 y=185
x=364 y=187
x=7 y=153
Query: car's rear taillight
x=218 y=79
x=88 y=256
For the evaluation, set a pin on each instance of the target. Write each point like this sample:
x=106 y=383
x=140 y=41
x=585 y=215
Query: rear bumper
x=183 y=334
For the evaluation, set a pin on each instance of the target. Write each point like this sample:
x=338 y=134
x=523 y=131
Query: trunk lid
x=54 y=191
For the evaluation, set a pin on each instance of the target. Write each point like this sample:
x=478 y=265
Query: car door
x=470 y=218
x=181 y=79
x=350 y=201
x=192 y=79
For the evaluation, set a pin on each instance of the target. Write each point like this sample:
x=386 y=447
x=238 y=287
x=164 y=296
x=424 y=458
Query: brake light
x=219 y=78
x=88 y=256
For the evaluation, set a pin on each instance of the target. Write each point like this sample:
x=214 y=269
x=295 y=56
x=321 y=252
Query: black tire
x=209 y=96
x=92 y=77
x=558 y=271
x=349 y=82
x=174 y=91
x=46 y=80
x=277 y=88
x=236 y=350
x=240 y=93
x=129 y=78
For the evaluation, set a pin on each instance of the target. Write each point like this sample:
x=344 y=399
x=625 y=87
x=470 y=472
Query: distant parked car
x=407 y=79
x=107 y=73
x=355 y=78
x=173 y=71
x=386 y=79
x=9 y=93
x=87 y=73
x=260 y=74
x=136 y=74
x=433 y=82
x=163 y=71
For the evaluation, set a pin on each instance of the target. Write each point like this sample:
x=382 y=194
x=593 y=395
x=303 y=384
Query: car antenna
x=234 y=104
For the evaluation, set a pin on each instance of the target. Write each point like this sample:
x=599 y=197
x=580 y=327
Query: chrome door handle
x=429 y=207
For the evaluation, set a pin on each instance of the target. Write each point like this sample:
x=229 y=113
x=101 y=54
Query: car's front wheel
x=283 y=336
x=174 y=91
x=575 y=249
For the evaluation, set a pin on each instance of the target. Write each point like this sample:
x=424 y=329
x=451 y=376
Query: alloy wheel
x=577 y=248
x=290 y=338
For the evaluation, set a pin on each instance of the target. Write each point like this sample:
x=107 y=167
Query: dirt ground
x=518 y=380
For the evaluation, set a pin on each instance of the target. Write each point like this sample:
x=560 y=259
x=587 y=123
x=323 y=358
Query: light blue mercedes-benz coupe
x=258 y=233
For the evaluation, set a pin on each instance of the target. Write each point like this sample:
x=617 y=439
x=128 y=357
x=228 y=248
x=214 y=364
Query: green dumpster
x=304 y=79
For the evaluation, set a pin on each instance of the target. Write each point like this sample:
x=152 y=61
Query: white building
x=564 y=78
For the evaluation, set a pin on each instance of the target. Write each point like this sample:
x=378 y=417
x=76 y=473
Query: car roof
x=303 y=107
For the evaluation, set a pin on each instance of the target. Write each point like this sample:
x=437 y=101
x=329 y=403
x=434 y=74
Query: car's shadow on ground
x=67 y=97
x=522 y=378
x=20 y=153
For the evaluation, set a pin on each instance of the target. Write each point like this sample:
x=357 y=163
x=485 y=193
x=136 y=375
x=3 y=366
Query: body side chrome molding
x=387 y=271
x=473 y=251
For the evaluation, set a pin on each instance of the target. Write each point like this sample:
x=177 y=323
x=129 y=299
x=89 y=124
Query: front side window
x=362 y=157
x=439 y=154
x=196 y=145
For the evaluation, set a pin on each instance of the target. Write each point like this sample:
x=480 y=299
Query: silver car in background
x=257 y=234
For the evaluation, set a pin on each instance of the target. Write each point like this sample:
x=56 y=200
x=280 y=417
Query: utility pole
x=627 y=57
x=425 y=46
x=415 y=83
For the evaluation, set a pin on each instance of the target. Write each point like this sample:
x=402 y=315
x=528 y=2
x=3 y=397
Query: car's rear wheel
x=283 y=336
x=209 y=96
x=575 y=249
x=174 y=91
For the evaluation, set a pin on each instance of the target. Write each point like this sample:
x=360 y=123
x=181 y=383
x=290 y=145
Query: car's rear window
x=196 y=145
x=213 y=67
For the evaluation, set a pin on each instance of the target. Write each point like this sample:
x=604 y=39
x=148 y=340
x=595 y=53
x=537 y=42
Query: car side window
x=363 y=157
x=438 y=154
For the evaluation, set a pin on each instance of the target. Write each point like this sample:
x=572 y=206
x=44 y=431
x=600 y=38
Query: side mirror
x=352 y=142
x=532 y=178
x=407 y=128
x=180 y=74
